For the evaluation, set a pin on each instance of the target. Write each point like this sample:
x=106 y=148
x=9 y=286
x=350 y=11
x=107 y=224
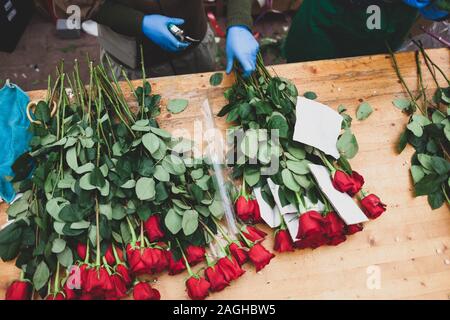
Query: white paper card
x=318 y=126
x=342 y=202
x=291 y=220
x=283 y=210
x=270 y=215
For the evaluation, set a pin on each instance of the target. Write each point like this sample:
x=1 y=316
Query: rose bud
x=311 y=230
x=197 y=288
x=253 y=234
x=244 y=208
x=230 y=268
x=18 y=290
x=155 y=260
x=216 y=279
x=119 y=290
x=256 y=212
x=259 y=256
x=144 y=291
x=109 y=256
x=134 y=256
x=82 y=250
x=350 y=184
x=335 y=229
x=358 y=182
x=353 y=228
x=175 y=267
x=70 y=293
x=153 y=228
x=238 y=252
x=283 y=241
x=195 y=254
x=83 y=274
x=372 y=206
x=123 y=271
x=98 y=282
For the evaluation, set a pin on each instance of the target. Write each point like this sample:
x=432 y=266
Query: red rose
x=124 y=273
x=216 y=279
x=119 y=290
x=18 y=290
x=256 y=212
x=335 y=229
x=259 y=256
x=283 y=241
x=82 y=250
x=153 y=228
x=311 y=230
x=230 y=268
x=372 y=206
x=195 y=254
x=155 y=260
x=238 y=252
x=83 y=275
x=350 y=184
x=58 y=296
x=358 y=182
x=87 y=296
x=353 y=228
x=98 y=282
x=109 y=256
x=134 y=256
x=254 y=234
x=175 y=267
x=71 y=294
x=244 y=208
x=197 y=288
x=144 y=291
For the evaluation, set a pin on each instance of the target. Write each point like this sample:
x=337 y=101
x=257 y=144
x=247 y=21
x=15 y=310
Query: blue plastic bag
x=14 y=135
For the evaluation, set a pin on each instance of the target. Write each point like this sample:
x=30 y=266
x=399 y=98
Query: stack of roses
x=258 y=105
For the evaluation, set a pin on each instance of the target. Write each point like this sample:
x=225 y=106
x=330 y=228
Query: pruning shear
x=179 y=34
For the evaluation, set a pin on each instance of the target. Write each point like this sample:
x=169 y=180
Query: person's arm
x=120 y=18
x=130 y=22
x=241 y=45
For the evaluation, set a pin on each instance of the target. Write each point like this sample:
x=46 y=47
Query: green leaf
x=42 y=112
x=425 y=160
x=118 y=212
x=297 y=152
x=41 y=276
x=173 y=221
x=85 y=182
x=347 y=144
x=429 y=184
x=216 y=79
x=440 y=165
x=289 y=181
x=436 y=200
x=177 y=105
x=278 y=122
x=197 y=173
x=145 y=188
x=65 y=257
x=160 y=132
x=106 y=210
x=417 y=173
x=364 y=111
x=71 y=213
x=415 y=128
x=97 y=179
x=310 y=95
x=298 y=167
x=151 y=142
x=71 y=158
x=252 y=176
x=161 y=174
x=130 y=184
x=144 y=213
x=216 y=209
x=402 y=103
x=402 y=142
x=17 y=207
x=249 y=145
x=189 y=222
x=58 y=245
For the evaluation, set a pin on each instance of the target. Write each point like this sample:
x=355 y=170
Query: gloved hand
x=241 y=45
x=427 y=9
x=155 y=27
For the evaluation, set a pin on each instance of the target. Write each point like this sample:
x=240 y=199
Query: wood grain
x=410 y=243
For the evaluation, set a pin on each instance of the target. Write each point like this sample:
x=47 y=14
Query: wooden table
x=408 y=246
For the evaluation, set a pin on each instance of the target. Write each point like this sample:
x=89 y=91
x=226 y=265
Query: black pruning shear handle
x=179 y=34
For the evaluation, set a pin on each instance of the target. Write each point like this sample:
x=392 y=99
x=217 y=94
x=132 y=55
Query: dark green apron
x=326 y=29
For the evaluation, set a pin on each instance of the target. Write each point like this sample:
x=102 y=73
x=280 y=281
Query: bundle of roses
x=262 y=103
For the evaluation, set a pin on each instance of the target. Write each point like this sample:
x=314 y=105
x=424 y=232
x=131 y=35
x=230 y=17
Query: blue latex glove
x=14 y=135
x=427 y=9
x=155 y=27
x=242 y=46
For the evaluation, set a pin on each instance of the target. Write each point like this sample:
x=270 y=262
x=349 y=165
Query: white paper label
x=271 y=216
x=283 y=210
x=318 y=126
x=344 y=205
x=291 y=220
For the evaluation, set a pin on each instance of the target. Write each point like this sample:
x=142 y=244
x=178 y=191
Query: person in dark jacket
x=125 y=25
x=328 y=29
